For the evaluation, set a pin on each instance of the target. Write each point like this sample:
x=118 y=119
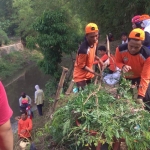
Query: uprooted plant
x=95 y=116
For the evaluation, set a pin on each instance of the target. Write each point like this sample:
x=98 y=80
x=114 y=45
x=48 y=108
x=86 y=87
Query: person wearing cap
x=83 y=67
x=134 y=58
x=145 y=19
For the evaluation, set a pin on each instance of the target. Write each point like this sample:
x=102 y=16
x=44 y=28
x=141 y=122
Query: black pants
x=146 y=99
x=82 y=84
x=39 y=107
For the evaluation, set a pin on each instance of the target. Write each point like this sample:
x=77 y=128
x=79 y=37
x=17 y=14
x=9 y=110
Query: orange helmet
x=144 y=17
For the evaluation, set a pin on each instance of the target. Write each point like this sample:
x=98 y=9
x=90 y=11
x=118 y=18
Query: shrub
x=100 y=114
x=3 y=38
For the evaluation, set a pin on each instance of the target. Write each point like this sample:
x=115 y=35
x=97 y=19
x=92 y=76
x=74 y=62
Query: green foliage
x=50 y=89
x=55 y=37
x=3 y=38
x=14 y=61
x=101 y=118
x=112 y=16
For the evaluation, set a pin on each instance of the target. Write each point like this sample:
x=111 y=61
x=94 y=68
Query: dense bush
x=101 y=118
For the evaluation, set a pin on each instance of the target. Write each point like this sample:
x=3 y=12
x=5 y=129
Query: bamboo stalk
x=61 y=82
x=70 y=88
x=108 y=46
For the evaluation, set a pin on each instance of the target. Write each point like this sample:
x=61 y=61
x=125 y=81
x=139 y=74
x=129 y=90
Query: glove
x=140 y=101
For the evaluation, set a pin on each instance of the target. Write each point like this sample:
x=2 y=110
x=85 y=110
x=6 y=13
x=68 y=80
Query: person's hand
x=107 y=62
x=23 y=131
x=126 y=68
x=96 y=74
x=101 y=62
x=140 y=101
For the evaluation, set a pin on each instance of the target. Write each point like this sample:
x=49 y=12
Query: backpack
x=24 y=100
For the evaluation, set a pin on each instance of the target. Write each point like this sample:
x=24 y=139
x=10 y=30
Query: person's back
x=39 y=97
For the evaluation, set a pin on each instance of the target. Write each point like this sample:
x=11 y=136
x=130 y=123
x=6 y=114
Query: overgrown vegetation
x=14 y=61
x=3 y=37
x=55 y=37
x=55 y=34
x=94 y=116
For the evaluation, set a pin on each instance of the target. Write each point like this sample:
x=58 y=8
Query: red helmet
x=136 y=19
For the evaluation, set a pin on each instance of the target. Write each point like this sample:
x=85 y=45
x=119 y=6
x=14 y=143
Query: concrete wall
x=4 y=50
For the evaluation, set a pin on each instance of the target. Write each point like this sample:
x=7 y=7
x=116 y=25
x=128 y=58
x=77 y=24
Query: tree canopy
x=20 y=17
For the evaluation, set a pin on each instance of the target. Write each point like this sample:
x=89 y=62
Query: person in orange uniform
x=104 y=57
x=83 y=68
x=24 y=126
x=134 y=58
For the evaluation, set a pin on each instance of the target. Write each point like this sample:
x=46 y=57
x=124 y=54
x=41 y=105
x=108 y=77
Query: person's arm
x=20 y=101
x=119 y=61
x=19 y=129
x=145 y=79
x=6 y=136
x=43 y=96
x=100 y=61
x=81 y=62
x=30 y=125
x=35 y=96
x=30 y=101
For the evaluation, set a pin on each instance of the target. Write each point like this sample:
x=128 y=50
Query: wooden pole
x=61 y=82
x=108 y=46
x=70 y=88
x=60 y=85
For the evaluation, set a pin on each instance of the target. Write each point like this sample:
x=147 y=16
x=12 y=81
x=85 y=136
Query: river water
x=24 y=81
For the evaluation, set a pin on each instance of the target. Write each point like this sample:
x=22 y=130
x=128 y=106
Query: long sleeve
x=19 y=128
x=35 y=96
x=30 y=101
x=30 y=125
x=43 y=96
x=145 y=78
x=119 y=61
x=20 y=101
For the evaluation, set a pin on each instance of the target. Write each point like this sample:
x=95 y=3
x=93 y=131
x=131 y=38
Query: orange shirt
x=140 y=64
x=85 y=57
x=24 y=125
x=112 y=60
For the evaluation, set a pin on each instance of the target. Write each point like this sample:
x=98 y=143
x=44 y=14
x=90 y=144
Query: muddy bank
x=24 y=81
